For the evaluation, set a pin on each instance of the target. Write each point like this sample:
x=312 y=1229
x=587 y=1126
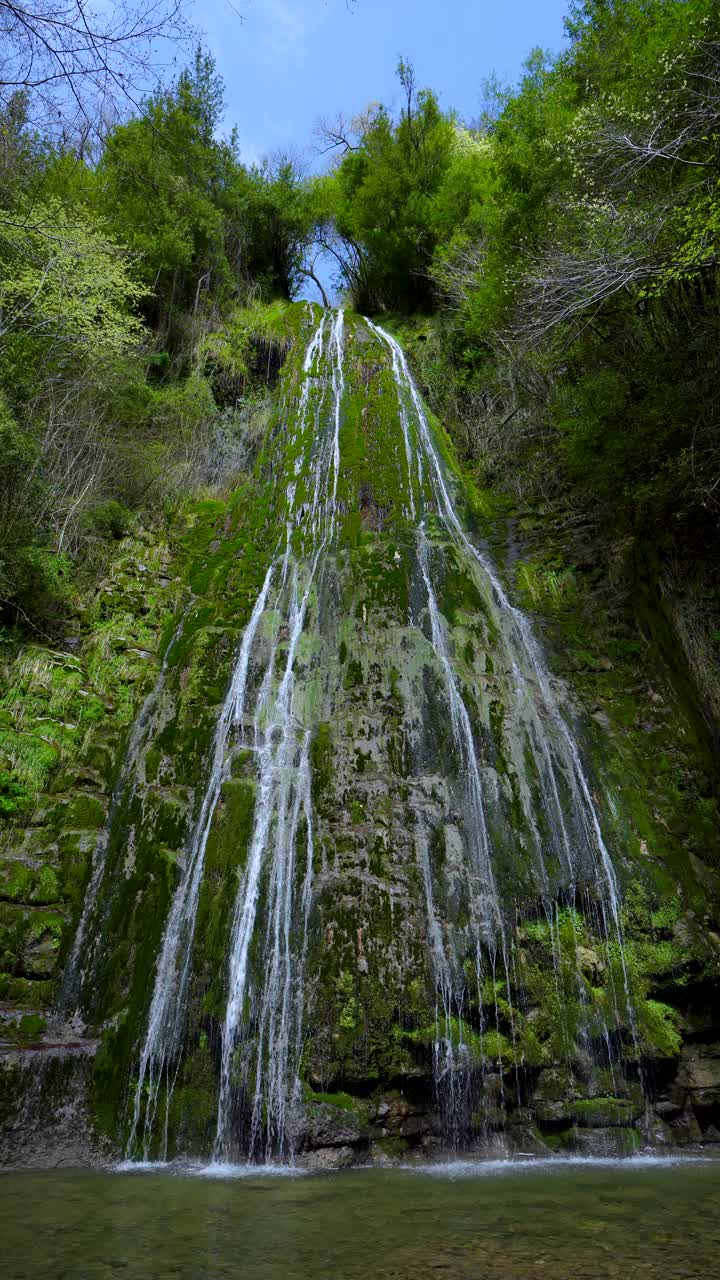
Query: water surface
x=565 y=1220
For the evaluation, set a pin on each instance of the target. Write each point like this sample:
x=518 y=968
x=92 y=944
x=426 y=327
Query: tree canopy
x=562 y=249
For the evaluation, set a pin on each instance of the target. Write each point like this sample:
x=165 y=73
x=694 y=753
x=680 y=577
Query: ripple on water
x=213 y=1169
x=493 y=1168
x=140 y=1166
x=225 y=1170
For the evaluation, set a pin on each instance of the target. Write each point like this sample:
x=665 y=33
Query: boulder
x=329 y=1158
x=698 y=1074
x=325 y=1125
x=605 y=1142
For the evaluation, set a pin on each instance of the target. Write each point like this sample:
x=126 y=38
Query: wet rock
x=386 y=1154
x=393 y=1116
x=589 y=961
x=602 y=1113
x=39 y=958
x=667 y=1109
x=551 y=1102
x=49 y=1124
x=699 y=1074
x=329 y=1126
x=414 y=1126
x=605 y=1142
x=85 y=811
x=329 y=1158
x=683 y=1130
x=525 y=1140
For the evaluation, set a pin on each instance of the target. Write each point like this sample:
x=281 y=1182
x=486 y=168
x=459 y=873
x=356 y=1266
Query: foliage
x=395 y=195
x=567 y=247
x=65 y=284
x=120 y=268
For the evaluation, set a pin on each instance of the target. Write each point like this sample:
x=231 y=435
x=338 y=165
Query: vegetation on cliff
x=552 y=271
x=561 y=256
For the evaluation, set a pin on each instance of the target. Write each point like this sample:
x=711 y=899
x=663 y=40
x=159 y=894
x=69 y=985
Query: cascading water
x=281 y=745
x=283 y=795
x=167 y=1007
x=270 y=719
x=562 y=778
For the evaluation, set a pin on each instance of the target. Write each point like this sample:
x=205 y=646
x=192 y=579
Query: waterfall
x=558 y=747
x=283 y=796
x=266 y=711
x=167 y=1007
x=281 y=745
x=555 y=750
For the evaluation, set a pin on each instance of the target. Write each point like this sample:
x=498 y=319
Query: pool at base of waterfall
x=497 y=1220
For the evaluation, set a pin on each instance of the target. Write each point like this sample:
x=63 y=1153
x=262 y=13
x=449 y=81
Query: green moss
x=357 y=813
x=546 y=586
x=31 y=1026
x=393 y=1147
x=84 y=812
x=322 y=761
x=353 y=674
x=193 y=1109
x=600 y=1112
x=341 y=1100
x=225 y=856
x=659 y=1026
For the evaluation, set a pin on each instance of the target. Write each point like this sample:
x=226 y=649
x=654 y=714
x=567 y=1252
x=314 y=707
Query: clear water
x=565 y=1220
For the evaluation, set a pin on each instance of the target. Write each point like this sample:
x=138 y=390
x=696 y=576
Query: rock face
x=365 y=878
x=46 y=1116
x=699 y=1073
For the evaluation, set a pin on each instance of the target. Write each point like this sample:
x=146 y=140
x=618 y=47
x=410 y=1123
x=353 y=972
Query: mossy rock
x=84 y=812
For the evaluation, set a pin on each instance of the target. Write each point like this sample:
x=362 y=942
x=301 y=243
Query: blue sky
x=292 y=61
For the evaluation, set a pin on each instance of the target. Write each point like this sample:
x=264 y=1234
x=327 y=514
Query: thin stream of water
x=554 y=747
x=167 y=1007
x=262 y=1026
x=282 y=749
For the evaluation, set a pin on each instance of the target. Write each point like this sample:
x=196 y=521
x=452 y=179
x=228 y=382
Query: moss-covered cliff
x=486 y=892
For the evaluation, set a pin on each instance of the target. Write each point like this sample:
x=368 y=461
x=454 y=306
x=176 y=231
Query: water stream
x=281 y=745
x=263 y=712
x=160 y=1053
x=577 y=837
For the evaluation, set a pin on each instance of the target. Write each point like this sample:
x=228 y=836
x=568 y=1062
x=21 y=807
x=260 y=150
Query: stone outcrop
x=435 y=1005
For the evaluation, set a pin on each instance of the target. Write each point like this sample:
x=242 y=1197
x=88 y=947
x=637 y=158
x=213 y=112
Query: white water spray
x=167 y=1007
x=283 y=798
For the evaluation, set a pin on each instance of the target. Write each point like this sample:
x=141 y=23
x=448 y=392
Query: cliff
x=361 y=829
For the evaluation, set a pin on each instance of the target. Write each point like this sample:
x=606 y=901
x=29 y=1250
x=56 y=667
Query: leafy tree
x=381 y=201
x=66 y=283
x=161 y=179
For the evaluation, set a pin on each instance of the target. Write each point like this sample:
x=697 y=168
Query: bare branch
x=77 y=62
x=342 y=135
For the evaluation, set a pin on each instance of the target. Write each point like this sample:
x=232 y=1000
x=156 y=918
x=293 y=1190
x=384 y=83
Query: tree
x=382 y=200
x=67 y=284
x=77 y=62
x=164 y=184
